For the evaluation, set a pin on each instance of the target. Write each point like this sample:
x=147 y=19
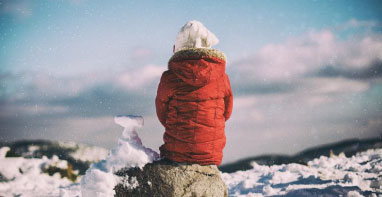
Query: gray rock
x=166 y=178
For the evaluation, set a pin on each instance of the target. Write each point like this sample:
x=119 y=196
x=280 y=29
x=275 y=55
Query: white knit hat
x=194 y=35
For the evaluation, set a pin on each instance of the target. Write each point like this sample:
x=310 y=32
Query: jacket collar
x=198 y=52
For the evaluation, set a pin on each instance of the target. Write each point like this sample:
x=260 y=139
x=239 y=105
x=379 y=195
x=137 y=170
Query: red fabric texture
x=194 y=99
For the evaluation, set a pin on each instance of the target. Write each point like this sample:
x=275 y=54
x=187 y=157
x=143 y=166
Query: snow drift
x=99 y=179
x=325 y=176
x=28 y=177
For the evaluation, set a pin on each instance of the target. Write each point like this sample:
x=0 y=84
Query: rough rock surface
x=166 y=178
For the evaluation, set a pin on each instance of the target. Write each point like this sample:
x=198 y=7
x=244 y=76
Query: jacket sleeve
x=228 y=100
x=162 y=98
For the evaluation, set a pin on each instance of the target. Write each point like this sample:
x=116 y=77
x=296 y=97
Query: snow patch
x=26 y=177
x=3 y=151
x=333 y=176
x=99 y=179
x=130 y=183
x=89 y=153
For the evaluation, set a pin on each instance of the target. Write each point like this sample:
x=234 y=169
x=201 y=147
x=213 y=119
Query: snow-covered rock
x=170 y=179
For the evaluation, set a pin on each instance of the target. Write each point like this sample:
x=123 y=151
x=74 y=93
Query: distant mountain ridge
x=349 y=147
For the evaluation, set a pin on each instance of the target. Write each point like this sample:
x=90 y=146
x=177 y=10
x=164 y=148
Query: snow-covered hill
x=336 y=175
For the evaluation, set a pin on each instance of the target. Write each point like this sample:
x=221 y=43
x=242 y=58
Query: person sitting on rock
x=194 y=99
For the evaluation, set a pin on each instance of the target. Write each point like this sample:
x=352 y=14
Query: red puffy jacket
x=194 y=100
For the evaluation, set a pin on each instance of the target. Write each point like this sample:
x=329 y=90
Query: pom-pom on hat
x=194 y=35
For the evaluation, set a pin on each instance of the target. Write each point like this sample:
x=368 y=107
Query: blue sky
x=304 y=72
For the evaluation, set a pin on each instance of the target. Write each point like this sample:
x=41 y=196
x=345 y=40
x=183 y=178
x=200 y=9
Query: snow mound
x=325 y=176
x=99 y=179
x=29 y=177
x=3 y=152
x=84 y=152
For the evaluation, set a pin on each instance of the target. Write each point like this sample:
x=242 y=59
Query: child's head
x=194 y=35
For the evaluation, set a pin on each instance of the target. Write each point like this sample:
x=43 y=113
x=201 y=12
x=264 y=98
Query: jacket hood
x=198 y=66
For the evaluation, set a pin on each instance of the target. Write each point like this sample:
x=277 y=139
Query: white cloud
x=337 y=85
x=17 y=109
x=305 y=54
x=245 y=110
x=354 y=23
x=362 y=53
x=313 y=109
x=141 y=77
x=39 y=84
x=90 y=130
x=40 y=109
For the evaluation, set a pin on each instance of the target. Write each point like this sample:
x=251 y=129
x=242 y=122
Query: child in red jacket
x=194 y=99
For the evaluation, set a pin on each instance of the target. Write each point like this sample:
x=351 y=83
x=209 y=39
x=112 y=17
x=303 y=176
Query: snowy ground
x=360 y=175
x=26 y=177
